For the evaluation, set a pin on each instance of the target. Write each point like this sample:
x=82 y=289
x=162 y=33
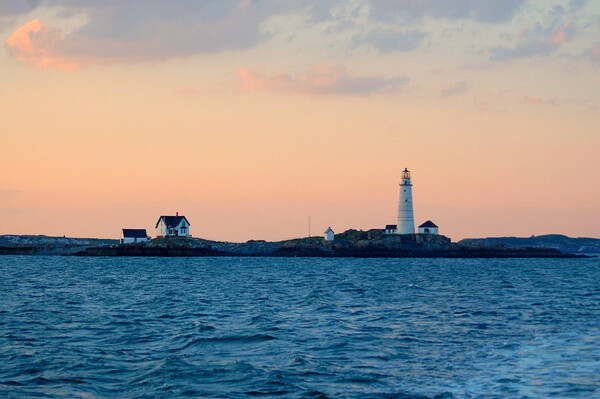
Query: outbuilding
x=428 y=228
x=329 y=234
x=134 y=235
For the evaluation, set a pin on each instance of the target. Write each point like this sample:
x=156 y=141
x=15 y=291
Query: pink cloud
x=455 y=88
x=560 y=35
x=36 y=44
x=540 y=101
x=595 y=52
x=535 y=41
x=322 y=79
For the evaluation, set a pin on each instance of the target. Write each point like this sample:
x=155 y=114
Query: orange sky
x=277 y=113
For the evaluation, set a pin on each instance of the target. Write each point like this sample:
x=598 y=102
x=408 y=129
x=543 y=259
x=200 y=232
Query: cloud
x=594 y=53
x=491 y=11
x=479 y=66
x=324 y=79
x=390 y=10
x=124 y=32
x=540 y=101
x=535 y=41
x=17 y=7
x=35 y=44
x=559 y=36
x=577 y=4
x=387 y=41
x=454 y=89
x=116 y=31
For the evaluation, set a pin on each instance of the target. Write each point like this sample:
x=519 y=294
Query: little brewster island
x=173 y=238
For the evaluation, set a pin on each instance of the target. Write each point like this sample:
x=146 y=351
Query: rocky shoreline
x=351 y=243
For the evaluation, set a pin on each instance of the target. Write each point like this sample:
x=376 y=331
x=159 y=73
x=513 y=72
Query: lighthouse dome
x=405 y=174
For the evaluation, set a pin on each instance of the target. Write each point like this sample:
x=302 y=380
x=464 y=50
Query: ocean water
x=299 y=327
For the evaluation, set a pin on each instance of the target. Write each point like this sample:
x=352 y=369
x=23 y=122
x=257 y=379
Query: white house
x=172 y=226
x=134 y=235
x=428 y=228
x=390 y=229
x=329 y=234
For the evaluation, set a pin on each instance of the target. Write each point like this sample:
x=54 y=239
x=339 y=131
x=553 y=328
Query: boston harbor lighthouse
x=406 y=218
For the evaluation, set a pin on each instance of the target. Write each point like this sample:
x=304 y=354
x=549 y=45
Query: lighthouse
x=406 y=218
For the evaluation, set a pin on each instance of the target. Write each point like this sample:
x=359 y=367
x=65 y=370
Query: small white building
x=172 y=226
x=134 y=235
x=390 y=229
x=428 y=228
x=329 y=234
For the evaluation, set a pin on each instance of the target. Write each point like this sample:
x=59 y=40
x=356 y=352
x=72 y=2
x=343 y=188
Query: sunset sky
x=250 y=116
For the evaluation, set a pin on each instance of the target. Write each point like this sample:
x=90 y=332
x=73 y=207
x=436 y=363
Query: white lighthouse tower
x=406 y=218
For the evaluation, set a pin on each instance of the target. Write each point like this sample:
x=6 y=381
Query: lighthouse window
x=405 y=200
x=404 y=190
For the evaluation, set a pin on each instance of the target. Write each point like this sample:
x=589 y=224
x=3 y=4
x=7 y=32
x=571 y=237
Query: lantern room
x=405 y=178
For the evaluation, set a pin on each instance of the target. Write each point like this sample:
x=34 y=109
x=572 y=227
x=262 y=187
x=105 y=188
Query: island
x=373 y=243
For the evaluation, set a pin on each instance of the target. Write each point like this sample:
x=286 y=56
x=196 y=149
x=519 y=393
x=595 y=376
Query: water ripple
x=299 y=328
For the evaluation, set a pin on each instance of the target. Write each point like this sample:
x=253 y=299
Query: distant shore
x=351 y=243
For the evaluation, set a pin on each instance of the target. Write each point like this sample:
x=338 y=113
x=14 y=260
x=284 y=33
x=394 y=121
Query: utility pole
x=309 y=226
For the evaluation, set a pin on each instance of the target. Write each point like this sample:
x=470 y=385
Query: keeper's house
x=134 y=235
x=172 y=226
x=428 y=228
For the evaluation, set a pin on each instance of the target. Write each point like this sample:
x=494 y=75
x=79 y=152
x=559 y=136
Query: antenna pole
x=309 y=226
